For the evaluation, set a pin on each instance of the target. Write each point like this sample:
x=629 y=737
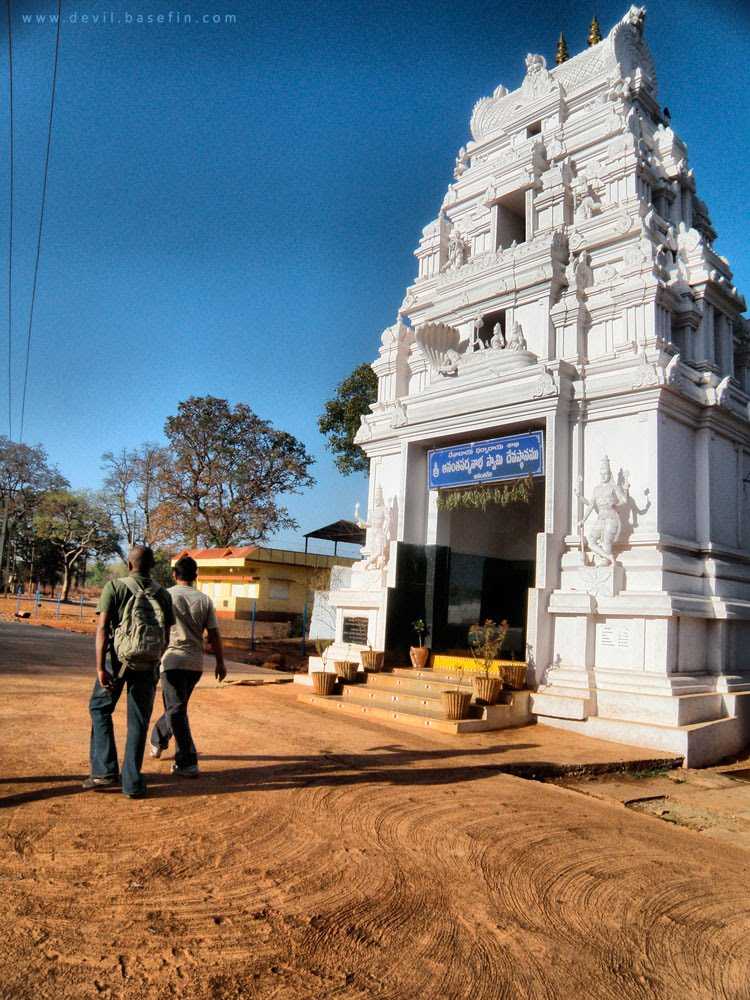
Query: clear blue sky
x=233 y=208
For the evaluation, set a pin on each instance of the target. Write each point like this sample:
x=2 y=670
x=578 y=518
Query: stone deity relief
x=615 y=513
x=516 y=341
x=458 y=251
x=380 y=532
x=497 y=341
x=579 y=274
x=537 y=80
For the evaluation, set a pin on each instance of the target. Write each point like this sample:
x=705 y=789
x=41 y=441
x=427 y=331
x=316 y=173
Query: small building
x=284 y=579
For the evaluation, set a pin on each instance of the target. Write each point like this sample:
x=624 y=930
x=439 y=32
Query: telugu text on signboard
x=489 y=461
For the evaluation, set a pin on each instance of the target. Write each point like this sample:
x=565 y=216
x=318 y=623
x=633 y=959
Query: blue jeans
x=176 y=687
x=141 y=687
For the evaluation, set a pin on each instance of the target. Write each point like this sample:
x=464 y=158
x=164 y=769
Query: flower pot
x=455 y=704
x=372 y=660
x=323 y=683
x=514 y=675
x=419 y=656
x=487 y=690
x=346 y=671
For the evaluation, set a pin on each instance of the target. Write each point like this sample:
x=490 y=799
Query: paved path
x=320 y=857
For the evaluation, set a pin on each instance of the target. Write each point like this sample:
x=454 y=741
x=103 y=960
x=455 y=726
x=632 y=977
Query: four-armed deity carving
x=380 y=532
x=612 y=504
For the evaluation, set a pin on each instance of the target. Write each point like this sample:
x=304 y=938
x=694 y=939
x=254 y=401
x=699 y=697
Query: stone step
x=560 y=706
x=661 y=709
x=405 y=699
x=623 y=680
x=439 y=677
x=408 y=682
x=501 y=719
x=696 y=743
x=410 y=712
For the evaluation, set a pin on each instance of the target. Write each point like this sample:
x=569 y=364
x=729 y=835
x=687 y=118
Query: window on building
x=278 y=590
x=511 y=219
x=534 y=129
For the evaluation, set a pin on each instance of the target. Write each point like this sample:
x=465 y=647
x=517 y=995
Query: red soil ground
x=321 y=857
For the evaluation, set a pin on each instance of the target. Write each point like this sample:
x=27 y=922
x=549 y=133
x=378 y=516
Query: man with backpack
x=135 y=616
x=182 y=666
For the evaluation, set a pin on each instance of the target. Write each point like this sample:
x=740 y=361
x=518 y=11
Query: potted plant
x=372 y=661
x=323 y=681
x=514 y=674
x=346 y=671
x=420 y=654
x=486 y=643
x=454 y=701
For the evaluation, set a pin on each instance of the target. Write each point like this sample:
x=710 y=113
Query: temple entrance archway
x=489 y=566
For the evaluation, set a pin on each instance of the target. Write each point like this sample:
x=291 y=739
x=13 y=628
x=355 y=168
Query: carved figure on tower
x=605 y=502
x=379 y=533
x=458 y=250
x=497 y=341
x=517 y=341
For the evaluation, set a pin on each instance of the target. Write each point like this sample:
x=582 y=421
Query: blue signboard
x=487 y=461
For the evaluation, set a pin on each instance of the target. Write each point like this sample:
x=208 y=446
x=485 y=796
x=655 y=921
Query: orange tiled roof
x=231 y=552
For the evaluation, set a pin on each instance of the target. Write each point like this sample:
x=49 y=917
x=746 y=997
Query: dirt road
x=318 y=858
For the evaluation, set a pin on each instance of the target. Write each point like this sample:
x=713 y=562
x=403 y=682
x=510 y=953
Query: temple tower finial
x=595 y=32
x=562 y=54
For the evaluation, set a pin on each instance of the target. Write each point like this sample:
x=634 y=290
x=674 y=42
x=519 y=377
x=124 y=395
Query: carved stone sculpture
x=450 y=364
x=458 y=251
x=588 y=205
x=539 y=161
x=440 y=344
x=497 y=342
x=579 y=274
x=462 y=162
x=619 y=90
x=517 y=341
x=605 y=502
x=537 y=80
x=380 y=530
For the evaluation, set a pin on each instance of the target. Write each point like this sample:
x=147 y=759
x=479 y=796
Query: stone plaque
x=355 y=631
x=620 y=644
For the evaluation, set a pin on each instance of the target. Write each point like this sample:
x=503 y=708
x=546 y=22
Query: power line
x=10 y=224
x=41 y=217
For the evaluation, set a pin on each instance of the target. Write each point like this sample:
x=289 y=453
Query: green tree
x=77 y=527
x=25 y=476
x=103 y=571
x=228 y=470
x=133 y=492
x=340 y=419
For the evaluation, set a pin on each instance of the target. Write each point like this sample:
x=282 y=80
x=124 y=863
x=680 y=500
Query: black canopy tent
x=339 y=531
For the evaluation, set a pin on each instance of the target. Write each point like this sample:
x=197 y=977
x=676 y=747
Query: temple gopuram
x=561 y=437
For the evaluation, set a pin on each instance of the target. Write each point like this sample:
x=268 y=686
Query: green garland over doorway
x=482 y=497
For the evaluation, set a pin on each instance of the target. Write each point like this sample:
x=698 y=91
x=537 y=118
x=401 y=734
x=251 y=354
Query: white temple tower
x=569 y=288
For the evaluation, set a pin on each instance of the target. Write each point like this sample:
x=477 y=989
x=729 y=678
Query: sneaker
x=93 y=783
x=191 y=771
x=155 y=751
x=141 y=794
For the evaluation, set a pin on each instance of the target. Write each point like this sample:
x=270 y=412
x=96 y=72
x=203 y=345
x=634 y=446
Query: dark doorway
x=490 y=565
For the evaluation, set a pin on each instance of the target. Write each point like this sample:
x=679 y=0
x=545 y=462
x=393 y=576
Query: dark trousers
x=141 y=686
x=176 y=687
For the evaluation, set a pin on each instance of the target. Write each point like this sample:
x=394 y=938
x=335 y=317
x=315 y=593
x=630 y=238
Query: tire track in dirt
x=402 y=872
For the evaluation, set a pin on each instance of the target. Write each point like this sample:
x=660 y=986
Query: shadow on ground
x=380 y=765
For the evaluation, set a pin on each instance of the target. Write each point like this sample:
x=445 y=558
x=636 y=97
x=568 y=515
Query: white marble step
x=666 y=710
x=559 y=705
x=699 y=744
